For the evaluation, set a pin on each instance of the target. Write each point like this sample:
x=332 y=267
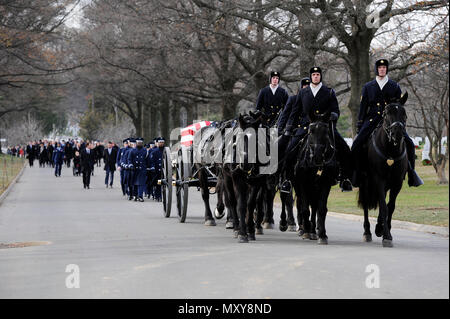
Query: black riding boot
x=413 y=179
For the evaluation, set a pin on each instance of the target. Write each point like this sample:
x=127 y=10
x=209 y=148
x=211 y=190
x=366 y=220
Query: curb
x=435 y=230
x=10 y=186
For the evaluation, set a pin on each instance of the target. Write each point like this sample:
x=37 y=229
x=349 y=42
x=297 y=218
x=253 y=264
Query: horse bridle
x=388 y=129
x=332 y=143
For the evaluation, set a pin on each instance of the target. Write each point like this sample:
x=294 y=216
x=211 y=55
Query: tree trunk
x=360 y=74
x=175 y=114
x=164 y=118
x=153 y=123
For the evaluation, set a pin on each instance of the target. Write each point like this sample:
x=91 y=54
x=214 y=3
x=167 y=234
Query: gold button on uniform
x=370 y=120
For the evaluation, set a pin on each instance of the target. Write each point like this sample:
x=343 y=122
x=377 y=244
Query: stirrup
x=346 y=185
x=286 y=187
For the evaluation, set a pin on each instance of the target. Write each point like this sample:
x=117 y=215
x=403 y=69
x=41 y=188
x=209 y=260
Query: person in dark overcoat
x=109 y=157
x=87 y=164
x=30 y=153
x=58 y=158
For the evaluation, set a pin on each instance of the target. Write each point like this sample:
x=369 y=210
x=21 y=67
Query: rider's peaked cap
x=274 y=73
x=381 y=62
x=305 y=81
x=316 y=69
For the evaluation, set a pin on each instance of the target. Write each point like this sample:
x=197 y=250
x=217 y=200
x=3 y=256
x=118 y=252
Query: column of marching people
x=139 y=165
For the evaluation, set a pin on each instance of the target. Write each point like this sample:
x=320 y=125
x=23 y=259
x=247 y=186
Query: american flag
x=187 y=133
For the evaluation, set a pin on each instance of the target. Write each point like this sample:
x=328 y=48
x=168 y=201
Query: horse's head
x=319 y=142
x=394 y=120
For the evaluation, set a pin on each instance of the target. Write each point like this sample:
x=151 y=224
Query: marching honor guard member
x=272 y=99
x=120 y=162
x=139 y=161
x=376 y=94
x=155 y=167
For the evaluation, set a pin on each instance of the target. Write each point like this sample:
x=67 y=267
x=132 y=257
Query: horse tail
x=367 y=195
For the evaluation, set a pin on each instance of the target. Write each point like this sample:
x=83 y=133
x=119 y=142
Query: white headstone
x=417 y=140
x=426 y=150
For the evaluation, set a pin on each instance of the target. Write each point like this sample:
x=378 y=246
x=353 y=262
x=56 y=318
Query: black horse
x=242 y=181
x=315 y=172
x=387 y=165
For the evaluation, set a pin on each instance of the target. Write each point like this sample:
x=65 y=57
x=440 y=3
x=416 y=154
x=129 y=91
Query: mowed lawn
x=427 y=204
x=10 y=166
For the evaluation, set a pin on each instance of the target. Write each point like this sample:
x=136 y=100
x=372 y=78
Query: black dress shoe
x=130 y=197
x=141 y=199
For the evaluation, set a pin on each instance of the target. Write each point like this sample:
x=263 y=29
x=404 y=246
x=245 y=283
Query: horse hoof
x=218 y=214
x=379 y=230
x=210 y=222
x=367 y=238
x=313 y=236
x=259 y=231
x=322 y=241
x=243 y=239
x=305 y=236
x=292 y=228
x=236 y=234
x=387 y=243
x=283 y=228
x=229 y=225
x=268 y=226
x=252 y=236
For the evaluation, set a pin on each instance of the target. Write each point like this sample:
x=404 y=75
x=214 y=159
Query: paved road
x=128 y=250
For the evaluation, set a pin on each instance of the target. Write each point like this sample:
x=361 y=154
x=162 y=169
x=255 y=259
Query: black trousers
x=86 y=176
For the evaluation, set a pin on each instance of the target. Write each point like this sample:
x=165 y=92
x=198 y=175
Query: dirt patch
x=24 y=244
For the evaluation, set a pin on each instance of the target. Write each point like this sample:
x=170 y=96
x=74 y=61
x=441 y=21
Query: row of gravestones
x=417 y=140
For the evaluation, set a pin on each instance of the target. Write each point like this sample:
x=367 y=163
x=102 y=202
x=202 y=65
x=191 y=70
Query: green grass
x=427 y=204
x=9 y=168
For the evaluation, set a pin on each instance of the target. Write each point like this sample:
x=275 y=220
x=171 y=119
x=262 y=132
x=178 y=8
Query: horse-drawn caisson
x=189 y=172
x=236 y=158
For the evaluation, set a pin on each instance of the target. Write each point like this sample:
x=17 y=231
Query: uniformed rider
x=376 y=94
x=272 y=98
x=319 y=99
